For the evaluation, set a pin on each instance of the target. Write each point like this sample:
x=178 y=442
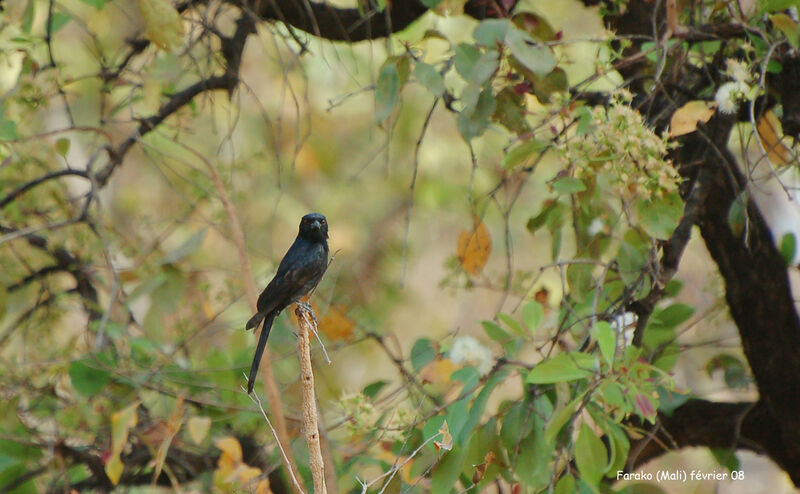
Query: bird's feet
x=306 y=307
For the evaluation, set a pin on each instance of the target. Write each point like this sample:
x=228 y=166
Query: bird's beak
x=316 y=225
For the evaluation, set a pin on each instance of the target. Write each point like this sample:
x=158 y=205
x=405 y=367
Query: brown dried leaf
x=445 y=441
x=336 y=325
x=437 y=372
x=770 y=132
x=198 y=428
x=163 y=23
x=474 y=248
x=686 y=118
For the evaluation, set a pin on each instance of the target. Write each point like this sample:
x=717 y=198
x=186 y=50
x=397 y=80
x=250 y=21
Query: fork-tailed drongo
x=298 y=273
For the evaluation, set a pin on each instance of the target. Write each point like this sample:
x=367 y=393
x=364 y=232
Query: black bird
x=298 y=273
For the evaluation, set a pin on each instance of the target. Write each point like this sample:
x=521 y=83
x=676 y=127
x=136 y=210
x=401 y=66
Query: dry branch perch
x=270 y=384
x=306 y=323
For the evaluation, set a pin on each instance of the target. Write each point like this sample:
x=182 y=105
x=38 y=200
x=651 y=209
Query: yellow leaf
x=263 y=487
x=336 y=325
x=437 y=372
x=230 y=446
x=163 y=25
x=246 y=473
x=208 y=310
x=121 y=423
x=788 y=27
x=114 y=469
x=198 y=428
x=474 y=248
x=445 y=441
x=686 y=118
x=770 y=132
x=171 y=428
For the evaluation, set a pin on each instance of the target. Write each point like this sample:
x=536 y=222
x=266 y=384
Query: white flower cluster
x=362 y=417
x=469 y=351
x=622 y=149
x=731 y=93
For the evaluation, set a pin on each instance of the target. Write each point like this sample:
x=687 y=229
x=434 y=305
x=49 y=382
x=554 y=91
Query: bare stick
x=310 y=427
x=271 y=386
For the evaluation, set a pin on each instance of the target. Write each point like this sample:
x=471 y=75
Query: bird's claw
x=306 y=307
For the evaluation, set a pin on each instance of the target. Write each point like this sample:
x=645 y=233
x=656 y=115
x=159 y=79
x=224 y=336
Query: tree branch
x=351 y=25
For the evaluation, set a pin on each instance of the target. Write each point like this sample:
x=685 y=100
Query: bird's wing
x=293 y=273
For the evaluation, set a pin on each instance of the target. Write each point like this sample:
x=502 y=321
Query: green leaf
x=580 y=280
x=736 y=214
x=776 y=5
x=726 y=458
x=431 y=4
x=87 y=378
x=466 y=57
x=485 y=67
x=562 y=367
x=495 y=332
x=670 y=400
x=591 y=456
x=532 y=56
x=19 y=450
x=59 y=20
x=517 y=423
x=10 y=472
x=186 y=248
x=673 y=315
x=566 y=485
x=491 y=32
x=532 y=314
x=631 y=261
x=428 y=76
x=371 y=390
x=545 y=86
x=535 y=25
x=62 y=147
x=533 y=462
x=473 y=124
x=660 y=216
x=422 y=353
x=585 y=119
x=28 y=15
x=788 y=27
x=147 y=286
x=774 y=66
x=568 y=185
x=552 y=215
x=619 y=445
x=456 y=418
x=606 y=340
x=510 y=112
x=387 y=90
x=512 y=323
x=447 y=469
x=560 y=418
x=98 y=4
x=734 y=370
x=555 y=247
x=8 y=130
x=520 y=153
x=478 y=407
x=788 y=248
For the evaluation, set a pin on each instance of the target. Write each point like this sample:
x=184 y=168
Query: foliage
x=521 y=161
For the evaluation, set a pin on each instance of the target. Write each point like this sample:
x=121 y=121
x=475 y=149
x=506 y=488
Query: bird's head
x=314 y=227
